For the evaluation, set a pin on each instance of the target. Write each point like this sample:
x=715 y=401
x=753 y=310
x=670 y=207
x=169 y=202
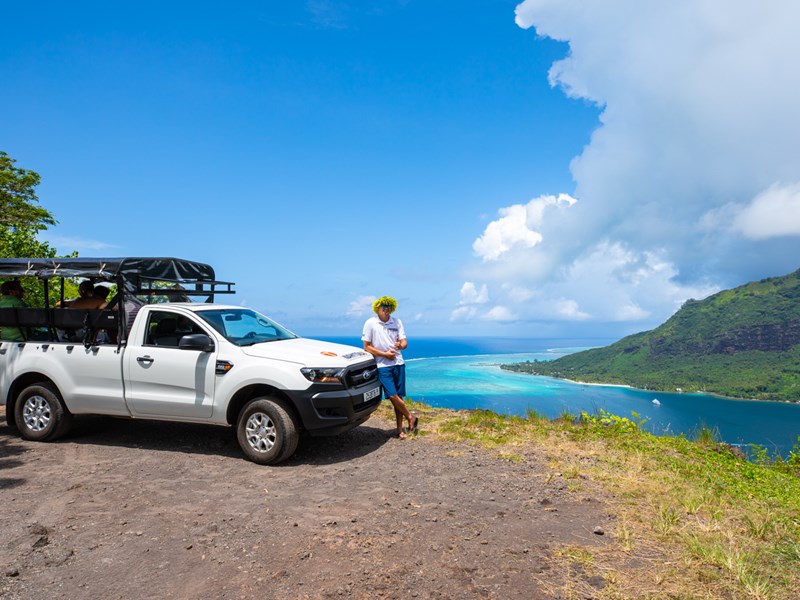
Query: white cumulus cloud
x=463 y=313
x=518 y=293
x=698 y=103
x=609 y=282
x=499 y=313
x=773 y=213
x=472 y=295
x=688 y=184
x=361 y=306
x=630 y=312
x=518 y=225
x=471 y=298
x=570 y=310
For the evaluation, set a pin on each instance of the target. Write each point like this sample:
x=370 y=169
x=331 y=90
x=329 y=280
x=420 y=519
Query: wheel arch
x=20 y=383
x=247 y=393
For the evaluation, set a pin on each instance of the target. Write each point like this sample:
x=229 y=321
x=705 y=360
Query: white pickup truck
x=186 y=361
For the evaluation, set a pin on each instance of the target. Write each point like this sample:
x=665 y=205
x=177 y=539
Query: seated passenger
x=12 y=298
x=104 y=336
x=86 y=299
x=132 y=306
x=101 y=291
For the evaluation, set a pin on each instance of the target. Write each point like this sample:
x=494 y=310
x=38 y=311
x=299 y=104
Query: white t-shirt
x=383 y=336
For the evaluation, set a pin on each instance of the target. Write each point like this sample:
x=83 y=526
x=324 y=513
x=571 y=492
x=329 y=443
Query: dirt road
x=131 y=509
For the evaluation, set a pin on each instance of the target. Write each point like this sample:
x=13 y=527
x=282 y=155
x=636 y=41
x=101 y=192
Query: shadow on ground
x=201 y=439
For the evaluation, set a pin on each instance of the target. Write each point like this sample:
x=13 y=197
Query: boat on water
x=656 y=402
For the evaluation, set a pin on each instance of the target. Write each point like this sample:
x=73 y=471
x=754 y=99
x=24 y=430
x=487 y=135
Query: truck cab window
x=167 y=329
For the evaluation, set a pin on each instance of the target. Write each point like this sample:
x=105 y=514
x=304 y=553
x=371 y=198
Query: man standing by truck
x=12 y=298
x=384 y=337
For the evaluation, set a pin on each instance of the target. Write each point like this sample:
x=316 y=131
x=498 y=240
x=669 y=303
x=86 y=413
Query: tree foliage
x=18 y=201
x=21 y=242
x=21 y=220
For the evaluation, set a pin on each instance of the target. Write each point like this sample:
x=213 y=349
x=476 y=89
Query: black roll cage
x=134 y=277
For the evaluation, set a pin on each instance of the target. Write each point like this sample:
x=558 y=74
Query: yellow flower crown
x=385 y=301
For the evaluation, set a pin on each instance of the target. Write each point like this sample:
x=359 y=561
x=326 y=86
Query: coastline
x=663 y=391
x=675 y=391
x=616 y=385
x=711 y=394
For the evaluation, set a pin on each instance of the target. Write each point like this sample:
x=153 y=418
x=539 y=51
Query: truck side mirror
x=196 y=341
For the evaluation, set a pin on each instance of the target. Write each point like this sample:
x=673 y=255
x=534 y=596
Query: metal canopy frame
x=133 y=276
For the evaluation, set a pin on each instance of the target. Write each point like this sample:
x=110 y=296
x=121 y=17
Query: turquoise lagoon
x=464 y=373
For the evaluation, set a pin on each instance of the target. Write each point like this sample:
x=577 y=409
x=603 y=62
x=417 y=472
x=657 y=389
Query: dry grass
x=693 y=521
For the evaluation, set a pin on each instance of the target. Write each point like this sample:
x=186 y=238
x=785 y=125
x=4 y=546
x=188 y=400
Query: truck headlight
x=323 y=375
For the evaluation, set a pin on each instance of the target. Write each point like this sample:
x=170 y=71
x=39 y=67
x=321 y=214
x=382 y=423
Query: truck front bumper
x=327 y=412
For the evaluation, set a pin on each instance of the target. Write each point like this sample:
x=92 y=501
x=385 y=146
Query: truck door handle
x=144 y=359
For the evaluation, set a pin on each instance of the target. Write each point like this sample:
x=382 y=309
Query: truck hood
x=308 y=352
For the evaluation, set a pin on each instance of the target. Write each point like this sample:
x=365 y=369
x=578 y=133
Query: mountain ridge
x=742 y=342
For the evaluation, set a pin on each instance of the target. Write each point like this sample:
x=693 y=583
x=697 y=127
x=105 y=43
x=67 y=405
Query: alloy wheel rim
x=36 y=413
x=261 y=432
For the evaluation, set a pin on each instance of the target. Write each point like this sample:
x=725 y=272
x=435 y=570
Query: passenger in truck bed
x=101 y=291
x=86 y=299
x=12 y=298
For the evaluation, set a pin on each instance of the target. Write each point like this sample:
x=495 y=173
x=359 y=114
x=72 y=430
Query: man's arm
x=375 y=352
x=368 y=336
x=402 y=342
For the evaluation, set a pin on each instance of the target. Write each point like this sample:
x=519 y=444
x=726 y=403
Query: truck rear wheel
x=266 y=431
x=40 y=413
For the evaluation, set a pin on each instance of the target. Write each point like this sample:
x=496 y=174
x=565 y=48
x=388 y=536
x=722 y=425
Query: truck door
x=163 y=380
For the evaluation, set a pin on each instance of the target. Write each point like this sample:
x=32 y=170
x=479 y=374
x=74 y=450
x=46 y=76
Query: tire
x=40 y=413
x=267 y=431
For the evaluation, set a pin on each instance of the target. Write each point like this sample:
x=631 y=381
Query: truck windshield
x=244 y=327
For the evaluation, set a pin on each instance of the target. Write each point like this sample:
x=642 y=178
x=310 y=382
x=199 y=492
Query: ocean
x=464 y=373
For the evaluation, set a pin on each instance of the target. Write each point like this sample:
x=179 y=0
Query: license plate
x=372 y=394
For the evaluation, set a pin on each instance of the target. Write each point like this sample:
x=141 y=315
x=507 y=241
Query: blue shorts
x=393 y=380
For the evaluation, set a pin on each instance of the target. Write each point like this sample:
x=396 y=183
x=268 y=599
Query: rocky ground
x=133 y=509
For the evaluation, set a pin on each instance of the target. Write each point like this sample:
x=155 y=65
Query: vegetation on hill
x=743 y=342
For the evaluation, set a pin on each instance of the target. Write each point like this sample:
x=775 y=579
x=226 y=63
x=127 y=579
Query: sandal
x=415 y=427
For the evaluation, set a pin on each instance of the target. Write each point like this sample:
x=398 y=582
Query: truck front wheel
x=40 y=413
x=267 y=431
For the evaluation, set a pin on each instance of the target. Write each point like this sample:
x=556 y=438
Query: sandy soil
x=132 y=509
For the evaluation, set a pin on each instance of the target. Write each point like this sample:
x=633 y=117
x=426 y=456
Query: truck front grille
x=361 y=375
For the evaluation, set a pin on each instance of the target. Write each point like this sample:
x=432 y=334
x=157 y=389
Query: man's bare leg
x=400 y=411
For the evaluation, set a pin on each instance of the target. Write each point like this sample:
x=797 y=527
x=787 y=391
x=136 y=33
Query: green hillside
x=743 y=342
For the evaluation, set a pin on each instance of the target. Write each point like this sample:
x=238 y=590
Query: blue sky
x=540 y=169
